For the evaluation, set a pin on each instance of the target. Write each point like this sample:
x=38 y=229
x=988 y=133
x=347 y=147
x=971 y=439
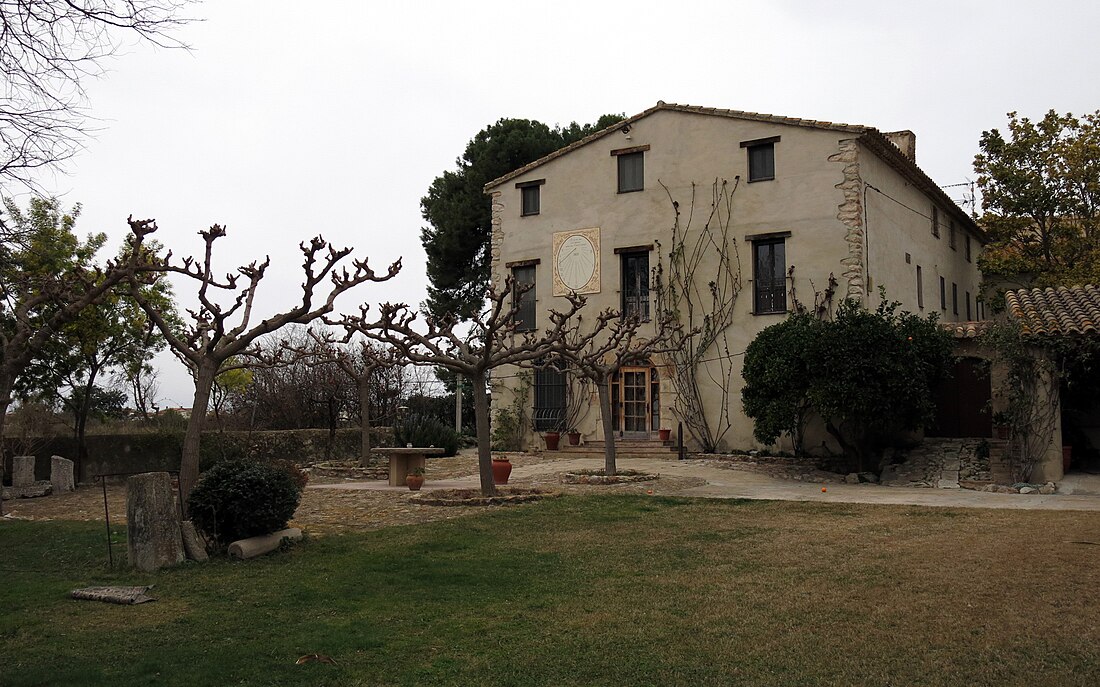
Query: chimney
x=906 y=141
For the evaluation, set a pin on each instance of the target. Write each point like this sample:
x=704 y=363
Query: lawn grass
x=584 y=590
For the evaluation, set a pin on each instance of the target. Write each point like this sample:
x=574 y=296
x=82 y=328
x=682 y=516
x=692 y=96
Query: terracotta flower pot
x=574 y=438
x=664 y=434
x=414 y=482
x=552 y=439
x=501 y=470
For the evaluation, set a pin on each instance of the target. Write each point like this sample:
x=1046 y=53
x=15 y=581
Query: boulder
x=852 y=478
x=1028 y=490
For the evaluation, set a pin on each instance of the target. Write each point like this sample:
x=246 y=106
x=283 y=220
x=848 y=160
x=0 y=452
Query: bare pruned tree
x=210 y=344
x=615 y=342
x=491 y=342
x=47 y=49
x=360 y=361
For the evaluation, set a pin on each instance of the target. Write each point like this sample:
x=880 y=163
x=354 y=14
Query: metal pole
x=107 y=517
x=458 y=403
x=680 y=440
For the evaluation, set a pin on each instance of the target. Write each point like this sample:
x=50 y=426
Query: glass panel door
x=635 y=400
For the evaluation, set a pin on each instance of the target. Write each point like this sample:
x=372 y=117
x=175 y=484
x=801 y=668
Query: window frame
x=920 y=288
x=526 y=188
x=759 y=145
x=951 y=235
x=526 y=301
x=935 y=221
x=759 y=241
x=623 y=157
x=954 y=298
x=943 y=294
x=547 y=417
x=968 y=253
x=640 y=300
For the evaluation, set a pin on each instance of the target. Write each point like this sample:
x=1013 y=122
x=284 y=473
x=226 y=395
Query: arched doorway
x=962 y=402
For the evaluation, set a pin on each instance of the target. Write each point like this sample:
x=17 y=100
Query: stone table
x=403 y=460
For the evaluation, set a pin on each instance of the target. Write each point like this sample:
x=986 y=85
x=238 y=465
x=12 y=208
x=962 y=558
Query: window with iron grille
x=635 y=286
x=523 y=297
x=550 y=390
x=769 y=280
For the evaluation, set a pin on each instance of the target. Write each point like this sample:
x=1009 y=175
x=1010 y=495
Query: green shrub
x=243 y=498
x=425 y=430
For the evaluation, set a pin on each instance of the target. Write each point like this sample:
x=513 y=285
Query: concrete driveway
x=729 y=483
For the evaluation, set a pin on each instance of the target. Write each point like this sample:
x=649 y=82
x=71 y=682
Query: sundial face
x=576 y=262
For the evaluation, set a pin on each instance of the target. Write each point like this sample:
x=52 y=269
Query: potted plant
x=574 y=437
x=415 y=479
x=502 y=467
x=1002 y=428
x=553 y=437
x=664 y=434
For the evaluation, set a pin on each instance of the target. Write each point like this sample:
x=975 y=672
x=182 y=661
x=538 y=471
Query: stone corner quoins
x=850 y=214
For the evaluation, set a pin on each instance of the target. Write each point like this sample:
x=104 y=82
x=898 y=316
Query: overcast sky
x=288 y=120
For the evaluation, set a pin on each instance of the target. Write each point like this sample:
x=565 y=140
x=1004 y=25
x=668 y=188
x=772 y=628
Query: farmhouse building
x=785 y=205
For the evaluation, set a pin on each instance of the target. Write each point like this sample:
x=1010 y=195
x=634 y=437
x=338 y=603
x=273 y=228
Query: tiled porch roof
x=1056 y=311
x=966 y=330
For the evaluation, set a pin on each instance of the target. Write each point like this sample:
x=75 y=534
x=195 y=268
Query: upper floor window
x=935 y=221
x=530 y=197
x=943 y=294
x=951 y=234
x=954 y=298
x=769 y=274
x=968 y=247
x=631 y=168
x=523 y=296
x=635 y=287
x=761 y=158
x=920 y=288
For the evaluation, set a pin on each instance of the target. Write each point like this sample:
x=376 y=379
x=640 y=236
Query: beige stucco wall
x=898 y=221
x=816 y=196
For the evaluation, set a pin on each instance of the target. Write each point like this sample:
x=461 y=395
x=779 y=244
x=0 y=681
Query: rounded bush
x=423 y=431
x=242 y=498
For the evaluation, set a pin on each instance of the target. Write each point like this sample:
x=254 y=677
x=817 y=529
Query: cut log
x=61 y=475
x=152 y=522
x=22 y=471
x=258 y=546
x=192 y=544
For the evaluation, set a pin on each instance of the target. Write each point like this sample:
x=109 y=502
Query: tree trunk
x=5 y=401
x=608 y=428
x=82 y=411
x=364 y=413
x=192 y=440
x=484 y=452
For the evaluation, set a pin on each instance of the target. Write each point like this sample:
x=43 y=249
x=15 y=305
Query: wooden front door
x=962 y=402
x=634 y=401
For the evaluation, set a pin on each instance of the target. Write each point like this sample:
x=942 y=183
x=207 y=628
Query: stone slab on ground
x=33 y=490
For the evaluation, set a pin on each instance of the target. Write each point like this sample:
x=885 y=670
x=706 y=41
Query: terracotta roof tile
x=966 y=330
x=1056 y=311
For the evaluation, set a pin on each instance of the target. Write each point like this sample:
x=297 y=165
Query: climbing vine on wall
x=1028 y=395
x=696 y=284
